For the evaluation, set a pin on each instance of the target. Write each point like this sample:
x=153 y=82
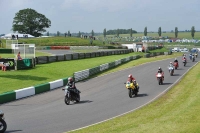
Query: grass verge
x=176 y=111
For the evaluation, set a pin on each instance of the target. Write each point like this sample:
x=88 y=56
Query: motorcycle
x=176 y=65
x=71 y=95
x=184 y=62
x=190 y=57
x=159 y=77
x=196 y=55
x=193 y=58
x=132 y=90
x=171 y=70
x=3 y=125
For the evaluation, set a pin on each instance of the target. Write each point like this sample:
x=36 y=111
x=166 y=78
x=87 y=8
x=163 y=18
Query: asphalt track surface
x=102 y=98
x=57 y=52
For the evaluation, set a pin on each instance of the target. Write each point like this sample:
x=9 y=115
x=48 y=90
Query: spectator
x=18 y=56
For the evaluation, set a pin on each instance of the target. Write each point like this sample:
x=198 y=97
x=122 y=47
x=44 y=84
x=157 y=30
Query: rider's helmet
x=159 y=68
x=70 y=79
x=130 y=76
x=170 y=62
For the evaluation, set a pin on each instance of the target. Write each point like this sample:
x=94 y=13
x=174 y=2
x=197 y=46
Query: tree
x=121 y=31
x=192 y=31
x=159 y=31
x=145 y=31
x=47 y=33
x=58 y=33
x=79 y=34
x=92 y=33
x=29 y=21
x=104 y=32
x=69 y=34
x=131 y=32
x=117 y=32
x=176 y=32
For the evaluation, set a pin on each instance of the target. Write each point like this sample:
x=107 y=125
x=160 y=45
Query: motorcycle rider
x=160 y=71
x=193 y=57
x=131 y=79
x=196 y=54
x=190 y=56
x=184 y=58
x=72 y=85
x=175 y=60
x=171 y=65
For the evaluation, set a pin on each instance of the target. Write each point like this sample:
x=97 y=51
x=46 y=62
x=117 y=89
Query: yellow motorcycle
x=196 y=55
x=132 y=90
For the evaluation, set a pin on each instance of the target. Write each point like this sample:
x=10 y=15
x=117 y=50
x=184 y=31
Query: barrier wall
x=33 y=90
x=76 y=56
x=84 y=74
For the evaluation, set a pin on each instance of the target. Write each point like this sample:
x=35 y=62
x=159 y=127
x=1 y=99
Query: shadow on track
x=142 y=95
x=84 y=101
x=179 y=69
x=176 y=75
x=167 y=83
x=12 y=131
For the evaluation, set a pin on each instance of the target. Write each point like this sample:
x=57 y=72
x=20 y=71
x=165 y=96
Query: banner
x=9 y=63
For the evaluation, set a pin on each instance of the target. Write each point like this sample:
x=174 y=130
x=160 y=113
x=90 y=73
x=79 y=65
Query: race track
x=102 y=98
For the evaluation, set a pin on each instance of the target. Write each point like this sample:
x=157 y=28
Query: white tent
x=7 y=36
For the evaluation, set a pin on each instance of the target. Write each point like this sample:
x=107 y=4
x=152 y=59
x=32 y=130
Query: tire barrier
x=147 y=55
x=76 y=56
x=33 y=90
x=81 y=75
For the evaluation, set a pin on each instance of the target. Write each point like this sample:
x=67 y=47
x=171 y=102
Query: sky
x=88 y=15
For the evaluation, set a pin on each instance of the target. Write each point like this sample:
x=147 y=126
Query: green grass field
x=43 y=73
x=176 y=111
x=57 y=41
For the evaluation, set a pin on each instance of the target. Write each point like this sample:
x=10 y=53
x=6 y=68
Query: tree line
x=29 y=21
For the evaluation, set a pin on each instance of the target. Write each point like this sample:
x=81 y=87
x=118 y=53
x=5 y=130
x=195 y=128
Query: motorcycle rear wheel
x=78 y=98
x=3 y=126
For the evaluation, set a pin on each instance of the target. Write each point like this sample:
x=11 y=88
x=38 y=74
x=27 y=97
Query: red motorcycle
x=176 y=65
x=159 y=77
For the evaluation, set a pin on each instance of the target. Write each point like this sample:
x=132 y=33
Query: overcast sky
x=88 y=15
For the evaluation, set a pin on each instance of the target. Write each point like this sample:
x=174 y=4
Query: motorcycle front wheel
x=67 y=100
x=3 y=126
x=130 y=93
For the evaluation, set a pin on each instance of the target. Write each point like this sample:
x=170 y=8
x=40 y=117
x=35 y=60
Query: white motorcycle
x=171 y=70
